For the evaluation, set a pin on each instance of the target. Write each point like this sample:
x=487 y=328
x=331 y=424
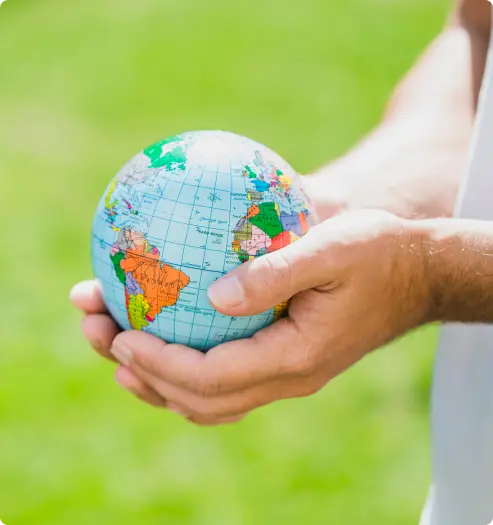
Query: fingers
x=230 y=367
x=139 y=388
x=317 y=259
x=205 y=422
x=263 y=283
x=221 y=406
x=100 y=330
x=136 y=386
x=87 y=297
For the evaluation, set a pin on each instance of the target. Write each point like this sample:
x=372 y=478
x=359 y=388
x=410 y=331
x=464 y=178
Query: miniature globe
x=180 y=215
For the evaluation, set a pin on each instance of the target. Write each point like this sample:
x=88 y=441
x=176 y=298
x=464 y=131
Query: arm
x=358 y=280
x=458 y=258
x=413 y=161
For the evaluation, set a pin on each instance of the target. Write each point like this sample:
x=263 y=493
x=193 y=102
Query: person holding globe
x=387 y=257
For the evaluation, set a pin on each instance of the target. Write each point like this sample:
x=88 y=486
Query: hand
x=100 y=331
x=357 y=281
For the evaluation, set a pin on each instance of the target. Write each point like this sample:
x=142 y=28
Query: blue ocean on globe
x=181 y=214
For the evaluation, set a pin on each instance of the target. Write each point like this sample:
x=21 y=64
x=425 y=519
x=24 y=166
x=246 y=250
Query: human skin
x=414 y=159
x=359 y=279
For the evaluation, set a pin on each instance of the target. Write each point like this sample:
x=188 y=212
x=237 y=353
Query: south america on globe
x=183 y=213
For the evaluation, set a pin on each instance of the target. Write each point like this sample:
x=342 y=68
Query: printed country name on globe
x=215 y=234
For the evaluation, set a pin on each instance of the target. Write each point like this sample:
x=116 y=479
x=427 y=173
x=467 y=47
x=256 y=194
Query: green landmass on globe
x=180 y=215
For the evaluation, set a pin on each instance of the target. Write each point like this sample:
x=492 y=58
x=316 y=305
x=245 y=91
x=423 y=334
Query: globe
x=181 y=214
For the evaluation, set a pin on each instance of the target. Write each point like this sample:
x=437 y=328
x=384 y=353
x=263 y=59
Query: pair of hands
x=357 y=281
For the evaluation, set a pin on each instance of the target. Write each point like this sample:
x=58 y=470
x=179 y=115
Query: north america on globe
x=180 y=215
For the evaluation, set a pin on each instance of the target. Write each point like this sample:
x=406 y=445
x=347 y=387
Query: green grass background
x=85 y=85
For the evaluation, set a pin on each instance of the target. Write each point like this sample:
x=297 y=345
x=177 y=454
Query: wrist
x=457 y=258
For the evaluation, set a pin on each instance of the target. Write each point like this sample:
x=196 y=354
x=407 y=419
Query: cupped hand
x=356 y=281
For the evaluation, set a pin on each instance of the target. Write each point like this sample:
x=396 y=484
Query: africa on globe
x=181 y=214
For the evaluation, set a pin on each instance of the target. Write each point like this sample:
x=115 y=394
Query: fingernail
x=227 y=291
x=77 y=290
x=122 y=353
x=96 y=344
x=120 y=380
x=128 y=388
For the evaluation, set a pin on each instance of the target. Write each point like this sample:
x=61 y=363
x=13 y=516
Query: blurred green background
x=83 y=87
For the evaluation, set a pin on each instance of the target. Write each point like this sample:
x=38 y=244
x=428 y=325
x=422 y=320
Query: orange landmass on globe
x=161 y=283
x=303 y=222
x=281 y=310
x=252 y=211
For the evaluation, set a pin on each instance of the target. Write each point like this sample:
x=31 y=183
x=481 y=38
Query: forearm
x=458 y=265
x=411 y=164
x=443 y=87
x=445 y=82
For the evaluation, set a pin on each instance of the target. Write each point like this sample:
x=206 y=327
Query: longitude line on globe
x=197 y=187
x=214 y=311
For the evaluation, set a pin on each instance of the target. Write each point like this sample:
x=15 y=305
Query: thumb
x=263 y=283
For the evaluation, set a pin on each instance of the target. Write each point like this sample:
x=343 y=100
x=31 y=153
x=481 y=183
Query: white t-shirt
x=462 y=421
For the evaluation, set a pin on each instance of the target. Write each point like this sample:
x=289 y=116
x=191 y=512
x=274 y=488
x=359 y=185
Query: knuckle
x=276 y=273
x=309 y=388
x=299 y=362
x=147 y=362
x=207 y=385
x=210 y=388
